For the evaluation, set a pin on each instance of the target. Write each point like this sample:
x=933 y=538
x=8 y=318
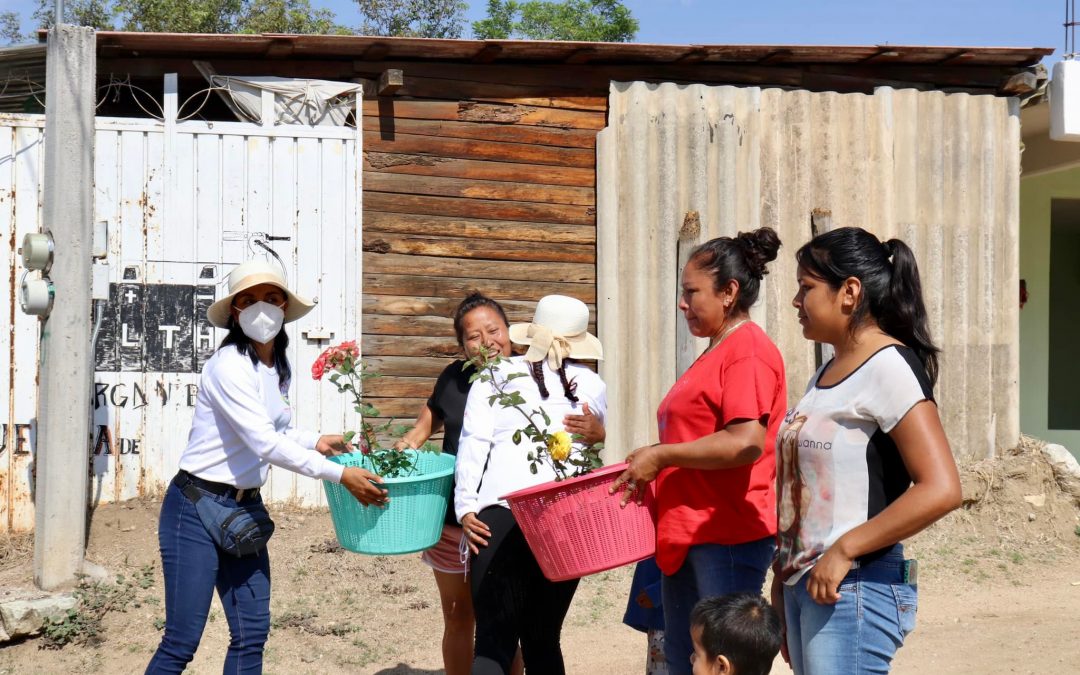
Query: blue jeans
x=862 y=631
x=193 y=567
x=708 y=571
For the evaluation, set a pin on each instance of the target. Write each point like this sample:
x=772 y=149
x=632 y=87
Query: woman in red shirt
x=715 y=464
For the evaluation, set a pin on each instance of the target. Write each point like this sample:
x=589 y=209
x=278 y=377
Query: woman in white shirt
x=512 y=599
x=242 y=425
x=862 y=460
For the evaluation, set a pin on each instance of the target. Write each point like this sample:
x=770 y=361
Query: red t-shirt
x=741 y=379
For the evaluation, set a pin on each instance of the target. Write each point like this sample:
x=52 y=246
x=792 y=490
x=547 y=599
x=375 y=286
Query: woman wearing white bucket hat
x=511 y=597
x=479 y=323
x=213 y=526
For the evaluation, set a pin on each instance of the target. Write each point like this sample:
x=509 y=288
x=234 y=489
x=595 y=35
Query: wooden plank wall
x=470 y=184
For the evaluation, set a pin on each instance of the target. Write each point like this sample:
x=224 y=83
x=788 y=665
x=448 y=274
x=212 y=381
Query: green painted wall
x=1035 y=195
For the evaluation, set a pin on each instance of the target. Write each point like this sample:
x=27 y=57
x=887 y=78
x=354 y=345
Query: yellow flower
x=558 y=446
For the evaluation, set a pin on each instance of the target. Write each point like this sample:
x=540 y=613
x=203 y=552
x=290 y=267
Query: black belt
x=183 y=479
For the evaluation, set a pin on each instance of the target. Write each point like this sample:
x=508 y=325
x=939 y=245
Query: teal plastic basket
x=412 y=521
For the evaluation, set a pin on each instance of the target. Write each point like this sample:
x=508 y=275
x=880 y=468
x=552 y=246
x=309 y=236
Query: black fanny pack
x=239 y=530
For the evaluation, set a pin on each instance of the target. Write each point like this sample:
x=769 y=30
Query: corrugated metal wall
x=940 y=171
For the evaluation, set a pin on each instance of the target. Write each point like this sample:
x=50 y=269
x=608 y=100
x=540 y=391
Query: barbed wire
x=117 y=85
x=33 y=88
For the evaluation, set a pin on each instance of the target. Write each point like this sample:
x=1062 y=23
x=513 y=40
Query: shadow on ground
x=404 y=669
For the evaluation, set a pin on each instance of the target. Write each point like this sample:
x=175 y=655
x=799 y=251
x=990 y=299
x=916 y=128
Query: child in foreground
x=736 y=634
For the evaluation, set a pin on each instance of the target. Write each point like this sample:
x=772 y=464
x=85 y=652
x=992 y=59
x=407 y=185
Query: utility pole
x=66 y=369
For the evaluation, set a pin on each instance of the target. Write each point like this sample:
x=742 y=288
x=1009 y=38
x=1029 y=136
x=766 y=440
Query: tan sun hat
x=559 y=330
x=253 y=273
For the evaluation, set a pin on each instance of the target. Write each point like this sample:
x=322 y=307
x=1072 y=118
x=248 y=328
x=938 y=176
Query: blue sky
x=985 y=23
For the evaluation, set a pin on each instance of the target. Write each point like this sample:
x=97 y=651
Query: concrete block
x=23 y=618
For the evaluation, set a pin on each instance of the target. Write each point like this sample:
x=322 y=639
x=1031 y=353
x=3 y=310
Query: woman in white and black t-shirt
x=862 y=460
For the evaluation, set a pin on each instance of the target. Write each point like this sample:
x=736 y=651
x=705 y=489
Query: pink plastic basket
x=575 y=528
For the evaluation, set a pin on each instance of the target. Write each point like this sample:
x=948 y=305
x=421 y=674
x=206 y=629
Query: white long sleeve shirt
x=487 y=433
x=243 y=424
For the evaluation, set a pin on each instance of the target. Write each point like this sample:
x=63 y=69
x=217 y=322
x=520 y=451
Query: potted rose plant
x=418 y=481
x=573 y=525
x=555 y=449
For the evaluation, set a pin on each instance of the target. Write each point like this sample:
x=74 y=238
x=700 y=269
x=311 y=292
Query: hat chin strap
x=546 y=344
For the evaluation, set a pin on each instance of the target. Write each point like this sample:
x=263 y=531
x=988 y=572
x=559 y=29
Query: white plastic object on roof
x=1065 y=101
x=296 y=101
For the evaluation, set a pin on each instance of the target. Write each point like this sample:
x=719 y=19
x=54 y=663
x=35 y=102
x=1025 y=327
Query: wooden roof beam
x=280 y=48
x=695 y=55
x=375 y=52
x=957 y=57
x=487 y=53
x=775 y=56
x=390 y=81
x=884 y=54
x=1020 y=84
x=583 y=55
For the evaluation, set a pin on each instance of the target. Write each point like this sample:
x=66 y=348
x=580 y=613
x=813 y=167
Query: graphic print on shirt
x=791 y=489
x=804 y=494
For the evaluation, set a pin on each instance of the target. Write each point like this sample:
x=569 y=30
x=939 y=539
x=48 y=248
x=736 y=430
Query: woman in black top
x=479 y=322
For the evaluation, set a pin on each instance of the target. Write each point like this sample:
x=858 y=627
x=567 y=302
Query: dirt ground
x=999 y=593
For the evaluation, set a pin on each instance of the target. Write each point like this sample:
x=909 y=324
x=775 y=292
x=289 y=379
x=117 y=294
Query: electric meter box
x=37 y=251
x=1065 y=101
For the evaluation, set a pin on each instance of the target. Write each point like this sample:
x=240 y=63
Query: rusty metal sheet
x=20 y=206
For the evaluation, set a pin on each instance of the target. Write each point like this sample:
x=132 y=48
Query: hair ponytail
x=903 y=314
x=569 y=388
x=892 y=291
x=536 y=369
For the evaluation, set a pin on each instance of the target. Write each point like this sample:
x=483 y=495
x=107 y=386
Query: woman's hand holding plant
x=348 y=373
x=335 y=444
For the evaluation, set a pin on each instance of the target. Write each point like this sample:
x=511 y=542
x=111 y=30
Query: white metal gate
x=184 y=203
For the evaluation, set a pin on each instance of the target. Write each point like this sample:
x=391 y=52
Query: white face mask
x=262 y=321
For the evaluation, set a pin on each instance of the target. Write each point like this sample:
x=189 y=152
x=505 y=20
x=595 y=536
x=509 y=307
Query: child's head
x=734 y=634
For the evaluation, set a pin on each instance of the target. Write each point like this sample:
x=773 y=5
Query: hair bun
x=760 y=248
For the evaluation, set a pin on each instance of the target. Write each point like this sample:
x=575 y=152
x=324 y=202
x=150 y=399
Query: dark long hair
x=892 y=291
x=743 y=258
x=243 y=345
x=474 y=300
